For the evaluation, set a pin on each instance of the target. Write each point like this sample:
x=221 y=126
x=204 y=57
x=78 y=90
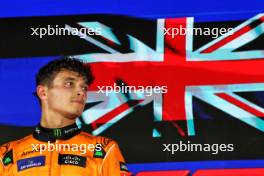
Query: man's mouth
x=78 y=101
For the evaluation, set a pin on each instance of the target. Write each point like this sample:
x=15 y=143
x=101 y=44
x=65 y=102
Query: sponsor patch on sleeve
x=99 y=152
x=8 y=158
x=67 y=159
x=30 y=163
x=123 y=167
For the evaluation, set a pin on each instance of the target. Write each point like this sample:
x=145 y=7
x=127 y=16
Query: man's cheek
x=83 y=107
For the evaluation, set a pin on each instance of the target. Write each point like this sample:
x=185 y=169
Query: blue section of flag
x=145 y=8
x=194 y=166
x=18 y=106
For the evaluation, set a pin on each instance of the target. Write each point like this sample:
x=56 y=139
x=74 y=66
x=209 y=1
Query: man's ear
x=42 y=92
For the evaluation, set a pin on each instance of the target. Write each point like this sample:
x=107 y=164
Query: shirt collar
x=51 y=134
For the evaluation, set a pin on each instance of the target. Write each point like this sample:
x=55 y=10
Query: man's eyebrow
x=69 y=79
x=74 y=79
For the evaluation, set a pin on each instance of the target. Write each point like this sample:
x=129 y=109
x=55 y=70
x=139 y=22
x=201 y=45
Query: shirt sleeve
x=1 y=168
x=1 y=162
x=5 y=150
x=114 y=163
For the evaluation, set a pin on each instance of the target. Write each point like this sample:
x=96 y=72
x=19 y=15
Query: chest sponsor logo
x=30 y=163
x=67 y=159
x=25 y=153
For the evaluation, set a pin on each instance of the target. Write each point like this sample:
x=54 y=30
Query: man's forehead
x=69 y=75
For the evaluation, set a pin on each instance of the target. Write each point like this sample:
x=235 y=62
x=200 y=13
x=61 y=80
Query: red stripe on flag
x=164 y=173
x=174 y=55
x=240 y=104
x=226 y=40
x=178 y=128
x=262 y=19
x=231 y=172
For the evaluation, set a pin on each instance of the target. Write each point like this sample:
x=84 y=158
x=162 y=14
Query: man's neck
x=47 y=124
x=55 y=121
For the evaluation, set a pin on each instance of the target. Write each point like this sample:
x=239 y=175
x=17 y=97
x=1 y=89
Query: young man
x=58 y=147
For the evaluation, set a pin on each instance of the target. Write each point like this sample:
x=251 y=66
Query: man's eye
x=84 y=88
x=68 y=84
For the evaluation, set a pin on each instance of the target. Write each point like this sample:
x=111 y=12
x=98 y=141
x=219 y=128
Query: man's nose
x=81 y=92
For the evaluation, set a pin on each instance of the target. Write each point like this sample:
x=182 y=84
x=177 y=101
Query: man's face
x=67 y=94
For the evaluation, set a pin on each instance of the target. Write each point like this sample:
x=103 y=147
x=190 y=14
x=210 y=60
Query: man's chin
x=73 y=116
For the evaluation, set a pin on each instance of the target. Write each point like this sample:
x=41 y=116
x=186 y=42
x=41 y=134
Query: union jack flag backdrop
x=214 y=86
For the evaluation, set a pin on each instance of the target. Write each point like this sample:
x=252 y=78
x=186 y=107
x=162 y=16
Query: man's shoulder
x=7 y=149
x=11 y=144
x=105 y=142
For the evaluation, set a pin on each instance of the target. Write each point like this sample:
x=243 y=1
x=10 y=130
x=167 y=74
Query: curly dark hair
x=48 y=72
